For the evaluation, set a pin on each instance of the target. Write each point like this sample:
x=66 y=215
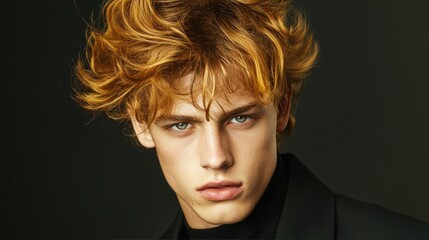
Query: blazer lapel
x=173 y=232
x=309 y=210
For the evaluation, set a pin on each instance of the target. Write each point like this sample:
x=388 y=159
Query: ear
x=142 y=132
x=284 y=111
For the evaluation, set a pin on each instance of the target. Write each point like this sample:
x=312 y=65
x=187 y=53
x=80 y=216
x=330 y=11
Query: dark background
x=362 y=122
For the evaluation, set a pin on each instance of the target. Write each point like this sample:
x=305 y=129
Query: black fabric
x=261 y=223
x=361 y=220
x=313 y=212
x=309 y=211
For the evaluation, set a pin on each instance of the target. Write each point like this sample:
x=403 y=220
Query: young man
x=210 y=84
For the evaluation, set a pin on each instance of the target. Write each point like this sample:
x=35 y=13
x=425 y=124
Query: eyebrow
x=223 y=116
x=240 y=110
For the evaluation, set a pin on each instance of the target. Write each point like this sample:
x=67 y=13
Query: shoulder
x=310 y=204
x=361 y=220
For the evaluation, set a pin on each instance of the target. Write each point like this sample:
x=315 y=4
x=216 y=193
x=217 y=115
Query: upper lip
x=220 y=184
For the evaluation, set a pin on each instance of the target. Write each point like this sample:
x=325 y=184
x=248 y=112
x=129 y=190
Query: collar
x=309 y=210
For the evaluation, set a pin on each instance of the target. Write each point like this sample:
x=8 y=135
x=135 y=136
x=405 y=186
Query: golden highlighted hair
x=134 y=63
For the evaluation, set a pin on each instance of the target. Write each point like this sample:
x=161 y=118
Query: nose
x=215 y=150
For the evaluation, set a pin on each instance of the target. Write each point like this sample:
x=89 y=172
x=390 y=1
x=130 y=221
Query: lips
x=220 y=191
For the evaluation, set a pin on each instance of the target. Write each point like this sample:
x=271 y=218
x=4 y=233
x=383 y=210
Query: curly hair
x=134 y=63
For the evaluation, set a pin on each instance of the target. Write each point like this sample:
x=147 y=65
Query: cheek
x=264 y=151
x=175 y=161
x=259 y=141
x=261 y=151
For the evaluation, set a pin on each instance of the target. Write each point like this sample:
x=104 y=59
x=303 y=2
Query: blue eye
x=181 y=126
x=240 y=119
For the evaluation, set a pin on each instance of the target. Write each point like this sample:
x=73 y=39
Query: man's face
x=219 y=168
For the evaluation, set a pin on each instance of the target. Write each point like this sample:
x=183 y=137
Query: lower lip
x=221 y=194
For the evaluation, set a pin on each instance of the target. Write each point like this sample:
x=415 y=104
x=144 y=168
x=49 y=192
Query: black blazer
x=313 y=211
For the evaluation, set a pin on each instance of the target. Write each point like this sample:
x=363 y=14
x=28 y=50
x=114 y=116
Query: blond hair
x=134 y=63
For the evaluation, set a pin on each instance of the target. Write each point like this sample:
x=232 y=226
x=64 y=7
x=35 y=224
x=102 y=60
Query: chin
x=229 y=214
x=224 y=219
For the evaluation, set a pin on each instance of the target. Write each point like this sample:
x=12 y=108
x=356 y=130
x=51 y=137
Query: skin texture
x=237 y=143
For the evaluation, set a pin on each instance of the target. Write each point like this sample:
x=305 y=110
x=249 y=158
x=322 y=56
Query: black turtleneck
x=261 y=223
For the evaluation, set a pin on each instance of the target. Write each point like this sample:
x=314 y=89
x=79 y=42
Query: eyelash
x=175 y=126
x=247 y=119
